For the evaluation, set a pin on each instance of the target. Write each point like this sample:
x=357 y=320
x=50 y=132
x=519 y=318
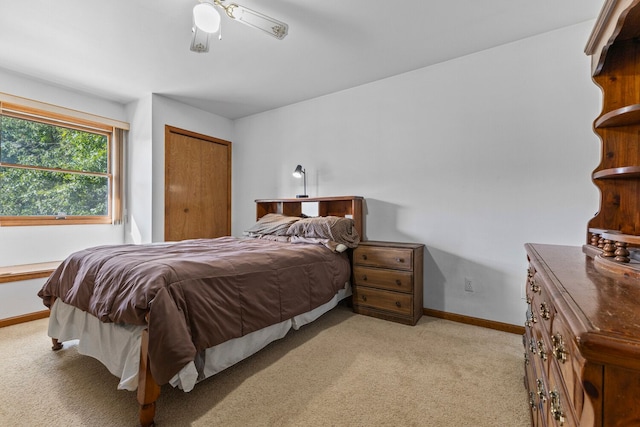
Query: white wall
x=25 y=245
x=139 y=152
x=472 y=157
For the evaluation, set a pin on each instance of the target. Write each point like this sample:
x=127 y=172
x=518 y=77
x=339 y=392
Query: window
x=58 y=169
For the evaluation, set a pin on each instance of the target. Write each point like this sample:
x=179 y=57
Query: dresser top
x=602 y=311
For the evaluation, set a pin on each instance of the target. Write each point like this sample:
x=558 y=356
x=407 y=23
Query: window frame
x=22 y=108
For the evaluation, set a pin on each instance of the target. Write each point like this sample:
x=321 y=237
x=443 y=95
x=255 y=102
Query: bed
x=179 y=312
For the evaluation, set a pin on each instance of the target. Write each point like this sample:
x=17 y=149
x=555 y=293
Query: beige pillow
x=273 y=224
x=335 y=228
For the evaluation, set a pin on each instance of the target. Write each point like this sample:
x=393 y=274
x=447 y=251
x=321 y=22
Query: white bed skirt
x=118 y=346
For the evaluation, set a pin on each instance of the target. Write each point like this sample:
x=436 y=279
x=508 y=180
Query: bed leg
x=147 y=413
x=56 y=345
x=148 y=389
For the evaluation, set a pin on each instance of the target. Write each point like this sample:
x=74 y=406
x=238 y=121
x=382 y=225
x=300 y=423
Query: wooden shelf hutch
x=615 y=65
x=582 y=329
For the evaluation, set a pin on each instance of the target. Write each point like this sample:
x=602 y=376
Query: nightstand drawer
x=385 y=257
x=395 y=280
x=384 y=300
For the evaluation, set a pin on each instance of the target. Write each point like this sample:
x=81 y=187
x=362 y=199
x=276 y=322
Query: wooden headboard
x=327 y=206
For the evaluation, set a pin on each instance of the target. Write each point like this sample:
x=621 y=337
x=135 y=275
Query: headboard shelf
x=327 y=206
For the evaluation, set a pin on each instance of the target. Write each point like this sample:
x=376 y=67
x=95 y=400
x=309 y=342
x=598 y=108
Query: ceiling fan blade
x=260 y=21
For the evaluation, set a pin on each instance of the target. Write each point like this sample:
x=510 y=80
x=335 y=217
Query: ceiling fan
x=206 y=21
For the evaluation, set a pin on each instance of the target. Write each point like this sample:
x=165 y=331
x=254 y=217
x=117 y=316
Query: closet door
x=197 y=193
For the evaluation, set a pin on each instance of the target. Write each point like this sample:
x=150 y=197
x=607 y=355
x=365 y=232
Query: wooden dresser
x=582 y=341
x=387 y=280
x=582 y=332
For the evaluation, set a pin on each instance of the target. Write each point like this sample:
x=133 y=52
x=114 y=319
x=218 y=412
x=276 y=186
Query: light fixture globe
x=206 y=17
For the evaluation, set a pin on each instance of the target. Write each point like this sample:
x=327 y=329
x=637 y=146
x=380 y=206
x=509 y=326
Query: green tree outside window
x=47 y=169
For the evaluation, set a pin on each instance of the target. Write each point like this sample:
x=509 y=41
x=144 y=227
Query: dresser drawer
x=384 y=300
x=544 y=309
x=571 y=365
x=395 y=280
x=384 y=257
x=559 y=408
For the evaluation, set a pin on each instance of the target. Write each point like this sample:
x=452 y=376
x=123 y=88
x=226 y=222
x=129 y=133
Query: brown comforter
x=198 y=293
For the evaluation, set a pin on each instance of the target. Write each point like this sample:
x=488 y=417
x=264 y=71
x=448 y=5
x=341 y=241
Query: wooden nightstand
x=387 y=280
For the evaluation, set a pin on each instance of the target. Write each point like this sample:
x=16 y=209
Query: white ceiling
x=125 y=49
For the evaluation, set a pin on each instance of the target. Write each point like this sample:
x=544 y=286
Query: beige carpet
x=343 y=370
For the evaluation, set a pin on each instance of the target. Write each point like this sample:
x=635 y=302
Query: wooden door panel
x=197 y=186
x=214 y=189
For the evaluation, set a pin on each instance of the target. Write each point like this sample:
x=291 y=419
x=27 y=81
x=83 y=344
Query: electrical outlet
x=468 y=286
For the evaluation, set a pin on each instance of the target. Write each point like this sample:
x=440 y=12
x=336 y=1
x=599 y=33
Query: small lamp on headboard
x=301 y=173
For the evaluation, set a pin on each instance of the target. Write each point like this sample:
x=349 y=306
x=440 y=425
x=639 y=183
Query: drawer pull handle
x=556 y=407
x=398 y=282
x=531 y=320
x=400 y=260
x=535 y=288
x=398 y=304
x=364 y=256
x=532 y=400
x=364 y=277
x=364 y=297
x=541 y=351
x=542 y=393
x=545 y=312
x=559 y=352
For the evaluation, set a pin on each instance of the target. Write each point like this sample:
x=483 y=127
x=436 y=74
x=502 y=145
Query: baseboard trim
x=505 y=327
x=24 y=318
